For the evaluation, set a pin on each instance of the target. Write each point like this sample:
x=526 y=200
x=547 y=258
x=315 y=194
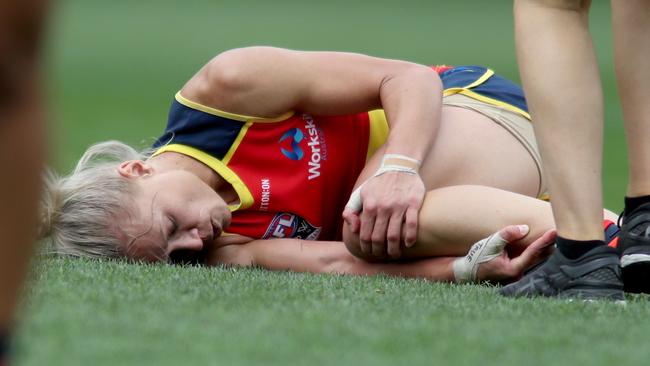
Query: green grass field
x=112 y=69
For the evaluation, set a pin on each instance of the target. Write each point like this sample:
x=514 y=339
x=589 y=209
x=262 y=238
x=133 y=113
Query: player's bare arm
x=268 y=82
x=333 y=258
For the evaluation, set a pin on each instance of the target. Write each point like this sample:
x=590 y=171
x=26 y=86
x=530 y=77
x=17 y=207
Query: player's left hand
x=386 y=213
x=502 y=267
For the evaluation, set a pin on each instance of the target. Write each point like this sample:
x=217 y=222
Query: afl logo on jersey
x=287 y=225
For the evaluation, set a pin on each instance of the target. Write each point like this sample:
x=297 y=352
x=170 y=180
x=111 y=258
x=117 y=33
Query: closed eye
x=172 y=227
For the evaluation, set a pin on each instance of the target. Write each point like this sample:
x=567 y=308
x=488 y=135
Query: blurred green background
x=114 y=66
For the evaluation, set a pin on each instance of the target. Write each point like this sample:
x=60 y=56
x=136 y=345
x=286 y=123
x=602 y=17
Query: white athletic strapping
x=466 y=268
x=389 y=163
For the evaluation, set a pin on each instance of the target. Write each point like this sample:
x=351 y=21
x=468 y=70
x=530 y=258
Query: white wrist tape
x=389 y=163
x=399 y=162
x=466 y=268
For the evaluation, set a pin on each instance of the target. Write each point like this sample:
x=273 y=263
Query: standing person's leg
x=631 y=26
x=21 y=146
x=561 y=80
x=21 y=135
x=562 y=85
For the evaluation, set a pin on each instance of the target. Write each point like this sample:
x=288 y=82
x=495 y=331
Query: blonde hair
x=78 y=212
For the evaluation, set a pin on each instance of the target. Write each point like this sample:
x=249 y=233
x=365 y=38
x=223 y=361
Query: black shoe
x=634 y=249
x=595 y=275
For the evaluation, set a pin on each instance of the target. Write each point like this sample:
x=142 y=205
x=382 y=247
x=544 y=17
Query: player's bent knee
x=352 y=243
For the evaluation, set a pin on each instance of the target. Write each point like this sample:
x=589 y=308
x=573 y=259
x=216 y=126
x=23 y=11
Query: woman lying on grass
x=265 y=143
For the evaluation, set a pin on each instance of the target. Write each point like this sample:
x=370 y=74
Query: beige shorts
x=520 y=127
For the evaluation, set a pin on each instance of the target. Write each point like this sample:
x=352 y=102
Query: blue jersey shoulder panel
x=207 y=132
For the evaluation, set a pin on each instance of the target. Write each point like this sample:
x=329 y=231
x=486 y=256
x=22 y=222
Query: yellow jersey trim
x=378 y=131
x=495 y=102
x=245 y=196
x=488 y=74
x=235 y=144
x=466 y=90
x=238 y=117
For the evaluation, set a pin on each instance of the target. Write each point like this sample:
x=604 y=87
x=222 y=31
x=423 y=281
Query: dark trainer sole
x=634 y=249
x=596 y=275
x=636 y=277
x=635 y=268
x=594 y=294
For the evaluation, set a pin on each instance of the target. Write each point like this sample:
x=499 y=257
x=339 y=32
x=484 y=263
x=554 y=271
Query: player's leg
x=631 y=25
x=454 y=218
x=472 y=148
x=21 y=135
x=21 y=144
x=477 y=144
x=480 y=144
x=562 y=84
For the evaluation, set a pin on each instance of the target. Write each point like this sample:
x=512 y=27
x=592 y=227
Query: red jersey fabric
x=298 y=172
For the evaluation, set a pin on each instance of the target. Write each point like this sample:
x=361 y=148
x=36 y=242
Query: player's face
x=175 y=216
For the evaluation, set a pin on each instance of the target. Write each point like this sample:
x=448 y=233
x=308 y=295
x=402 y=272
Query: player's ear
x=134 y=169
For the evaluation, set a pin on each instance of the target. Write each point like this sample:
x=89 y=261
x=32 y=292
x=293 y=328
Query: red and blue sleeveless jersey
x=293 y=174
